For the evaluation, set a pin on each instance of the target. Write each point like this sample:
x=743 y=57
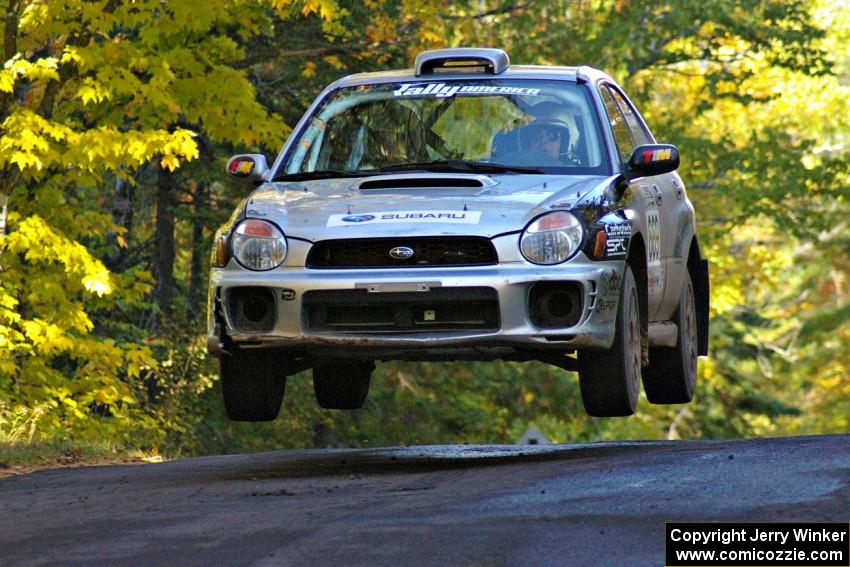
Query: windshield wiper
x=459 y=165
x=441 y=165
x=321 y=174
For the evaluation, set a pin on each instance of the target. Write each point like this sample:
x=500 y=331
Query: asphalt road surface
x=587 y=504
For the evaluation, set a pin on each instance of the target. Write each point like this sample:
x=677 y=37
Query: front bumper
x=289 y=328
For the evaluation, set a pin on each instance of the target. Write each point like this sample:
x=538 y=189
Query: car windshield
x=488 y=125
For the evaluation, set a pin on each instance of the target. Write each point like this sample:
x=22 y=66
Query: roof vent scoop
x=462 y=60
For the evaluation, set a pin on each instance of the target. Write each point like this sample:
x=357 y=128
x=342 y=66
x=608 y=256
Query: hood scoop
x=426 y=181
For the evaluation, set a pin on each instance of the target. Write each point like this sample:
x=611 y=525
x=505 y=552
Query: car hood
x=338 y=208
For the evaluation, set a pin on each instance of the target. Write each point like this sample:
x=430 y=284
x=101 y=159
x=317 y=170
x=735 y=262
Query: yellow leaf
x=25 y=160
x=333 y=61
x=309 y=69
x=7 y=81
x=170 y=161
x=98 y=284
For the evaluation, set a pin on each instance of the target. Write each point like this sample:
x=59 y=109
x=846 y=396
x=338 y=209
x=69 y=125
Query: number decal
x=653 y=228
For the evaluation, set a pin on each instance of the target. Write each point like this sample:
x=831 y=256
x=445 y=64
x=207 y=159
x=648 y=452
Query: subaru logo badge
x=401 y=253
x=358 y=218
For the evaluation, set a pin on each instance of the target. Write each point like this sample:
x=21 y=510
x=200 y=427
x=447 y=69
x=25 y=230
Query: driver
x=546 y=136
x=549 y=133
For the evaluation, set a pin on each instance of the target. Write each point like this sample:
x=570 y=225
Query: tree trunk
x=9 y=177
x=122 y=215
x=10 y=48
x=164 y=243
x=4 y=200
x=199 y=251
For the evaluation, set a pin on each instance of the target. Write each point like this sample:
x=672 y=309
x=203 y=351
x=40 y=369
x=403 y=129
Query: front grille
x=440 y=309
x=427 y=252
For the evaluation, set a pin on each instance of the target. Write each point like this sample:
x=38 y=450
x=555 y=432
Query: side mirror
x=251 y=168
x=653 y=159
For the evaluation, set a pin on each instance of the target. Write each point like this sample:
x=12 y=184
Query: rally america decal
x=442 y=90
x=410 y=217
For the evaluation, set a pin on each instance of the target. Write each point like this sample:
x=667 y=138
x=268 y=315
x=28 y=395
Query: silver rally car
x=467 y=209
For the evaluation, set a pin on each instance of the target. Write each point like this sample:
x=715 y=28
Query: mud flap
x=699 y=277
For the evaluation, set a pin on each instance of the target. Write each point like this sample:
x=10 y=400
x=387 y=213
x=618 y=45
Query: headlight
x=551 y=238
x=258 y=245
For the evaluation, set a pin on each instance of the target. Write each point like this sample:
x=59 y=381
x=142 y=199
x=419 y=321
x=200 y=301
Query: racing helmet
x=551 y=120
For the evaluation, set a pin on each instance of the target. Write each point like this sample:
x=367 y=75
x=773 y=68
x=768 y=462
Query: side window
x=639 y=135
x=619 y=127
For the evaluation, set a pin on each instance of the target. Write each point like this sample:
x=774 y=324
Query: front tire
x=610 y=379
x=672 y=373
x=342 y=385
x=251 y=385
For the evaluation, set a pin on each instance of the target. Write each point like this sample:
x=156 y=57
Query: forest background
x=117 y=117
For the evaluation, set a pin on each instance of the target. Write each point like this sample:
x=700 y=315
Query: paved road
x=588 y=504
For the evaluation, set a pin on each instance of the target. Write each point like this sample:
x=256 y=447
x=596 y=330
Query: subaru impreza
x=465 y=209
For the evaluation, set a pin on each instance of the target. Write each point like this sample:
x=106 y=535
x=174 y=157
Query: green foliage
x=57 y=371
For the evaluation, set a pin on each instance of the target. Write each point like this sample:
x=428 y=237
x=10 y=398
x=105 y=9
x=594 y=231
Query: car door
x=629 y=134
x=676 y=214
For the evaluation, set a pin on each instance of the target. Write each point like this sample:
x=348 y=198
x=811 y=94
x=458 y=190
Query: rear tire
x=672 y=373
x=251 y=384
x=342 y=385
x=610 y=379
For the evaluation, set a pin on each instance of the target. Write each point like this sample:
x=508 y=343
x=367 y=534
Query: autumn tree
x=93 y=96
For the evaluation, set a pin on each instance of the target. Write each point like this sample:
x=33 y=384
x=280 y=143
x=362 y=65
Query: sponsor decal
x=241 y=167
x=621 y=229
x=442 y=90
x=655 y=279
x=609 y=284
x=605 y=305
x=409 y=217
x=657 y=155
x=648 y=197
x=616 y=239
x=616 y=247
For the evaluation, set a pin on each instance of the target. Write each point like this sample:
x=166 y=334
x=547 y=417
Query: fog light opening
x=555 y=304
x=255 y=308
x=560 y=304
x=251 y=309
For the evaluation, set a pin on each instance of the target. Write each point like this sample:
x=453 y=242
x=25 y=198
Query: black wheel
x=342 y=385
x=672 y=373
x=610 y=379
x=252 y=384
